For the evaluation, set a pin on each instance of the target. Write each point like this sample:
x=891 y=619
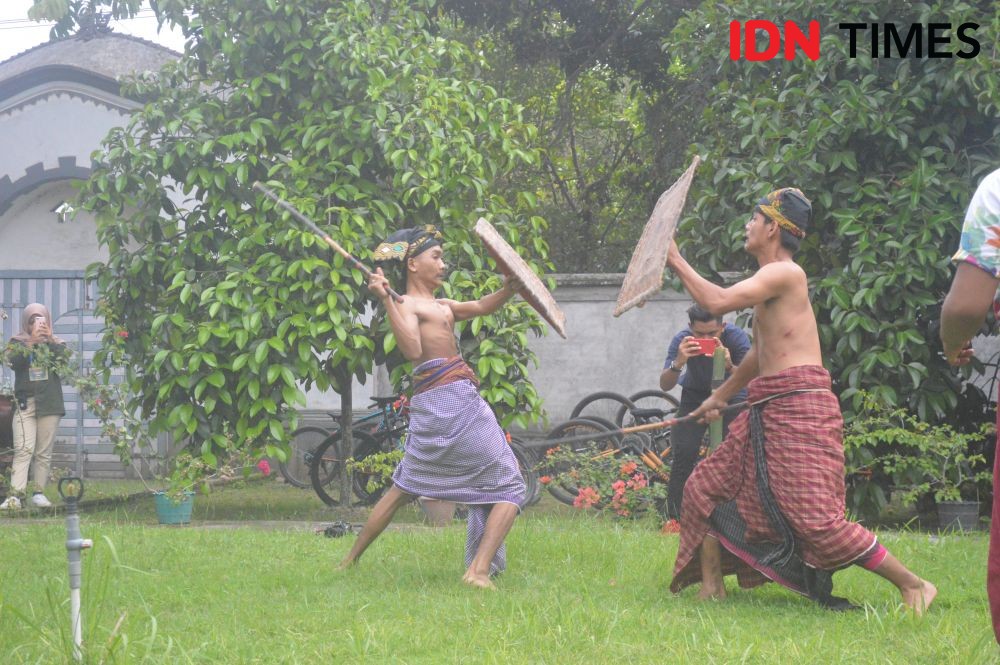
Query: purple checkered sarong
x=456 y=451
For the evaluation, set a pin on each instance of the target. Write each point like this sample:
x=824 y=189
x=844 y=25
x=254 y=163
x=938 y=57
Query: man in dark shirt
x=687 y=366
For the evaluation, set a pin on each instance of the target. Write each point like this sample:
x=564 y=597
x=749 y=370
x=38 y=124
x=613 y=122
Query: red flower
x=628 y=468
x=264 y=467
x=123 y=334
x=587 y=498
x=545 y=480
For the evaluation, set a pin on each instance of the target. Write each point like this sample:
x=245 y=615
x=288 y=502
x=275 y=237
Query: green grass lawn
x=580 y=588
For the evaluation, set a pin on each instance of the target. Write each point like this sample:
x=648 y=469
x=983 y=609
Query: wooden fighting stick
x=285 y=205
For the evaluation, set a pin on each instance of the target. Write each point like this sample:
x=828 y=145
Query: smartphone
x=706 y=344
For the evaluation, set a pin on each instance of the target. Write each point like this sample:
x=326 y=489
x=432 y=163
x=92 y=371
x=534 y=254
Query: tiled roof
x=111 y=55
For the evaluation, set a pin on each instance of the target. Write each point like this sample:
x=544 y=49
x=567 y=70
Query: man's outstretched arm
x=765 y=284
x=487 y=304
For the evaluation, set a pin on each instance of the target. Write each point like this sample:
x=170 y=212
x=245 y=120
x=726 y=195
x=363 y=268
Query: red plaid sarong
x=805 y=468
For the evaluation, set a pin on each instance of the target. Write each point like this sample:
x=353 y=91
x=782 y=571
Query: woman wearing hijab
x=32 y=354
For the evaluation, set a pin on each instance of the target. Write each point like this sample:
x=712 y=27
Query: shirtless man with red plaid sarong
x=768 y=504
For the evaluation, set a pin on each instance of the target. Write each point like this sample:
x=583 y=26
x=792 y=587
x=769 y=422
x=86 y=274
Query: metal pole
x=80 y=406
x=74 y=546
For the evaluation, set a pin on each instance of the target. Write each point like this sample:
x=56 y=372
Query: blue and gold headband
x=407 y=243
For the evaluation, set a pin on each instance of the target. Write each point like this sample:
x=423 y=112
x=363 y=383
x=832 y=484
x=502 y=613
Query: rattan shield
x=510 y=263
x=645 y=271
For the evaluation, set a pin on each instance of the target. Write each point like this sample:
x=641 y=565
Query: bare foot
x=712 y=593
x=481 y=581
x=919 y=599
x=347 y=563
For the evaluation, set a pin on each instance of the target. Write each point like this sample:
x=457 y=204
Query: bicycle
x=377 y=432
x=614 y=411
x=613 y=408
x=302 y=447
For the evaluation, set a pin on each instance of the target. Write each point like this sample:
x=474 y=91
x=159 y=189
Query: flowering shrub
x=621 y=484
x=890 y=449
x=587 y=498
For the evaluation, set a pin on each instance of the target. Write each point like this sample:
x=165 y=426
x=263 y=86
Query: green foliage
x=378 y=468
x=593 y=79
x=72 y=15
x=889 y=151
x=890 y=449
x=373 y=123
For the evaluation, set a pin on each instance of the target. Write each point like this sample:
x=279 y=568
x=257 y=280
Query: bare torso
x=437 y=328
x=784 y=327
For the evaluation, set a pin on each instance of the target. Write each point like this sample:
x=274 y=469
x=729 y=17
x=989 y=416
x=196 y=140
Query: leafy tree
x=373 y=122
x=889 y=151
x=71 y=16
x=593 y=78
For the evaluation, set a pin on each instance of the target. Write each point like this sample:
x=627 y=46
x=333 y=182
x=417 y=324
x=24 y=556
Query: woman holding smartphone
x=33 y=355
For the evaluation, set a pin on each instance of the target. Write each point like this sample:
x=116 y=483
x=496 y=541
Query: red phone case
x=707 y=345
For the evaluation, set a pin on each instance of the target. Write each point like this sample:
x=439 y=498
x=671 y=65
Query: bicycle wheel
x=295 y=468
x=604 y=404
x=566 y=489
x=526 y=464
x=648 y=400
x=325 y=467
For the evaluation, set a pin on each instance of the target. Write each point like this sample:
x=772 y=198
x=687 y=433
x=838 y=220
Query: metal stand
x=71 y=491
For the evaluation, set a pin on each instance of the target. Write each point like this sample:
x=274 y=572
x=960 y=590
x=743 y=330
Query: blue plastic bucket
x=171 y=512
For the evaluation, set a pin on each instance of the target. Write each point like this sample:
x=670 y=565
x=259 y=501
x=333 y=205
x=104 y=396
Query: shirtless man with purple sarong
x=768 y=504
x=455 y=449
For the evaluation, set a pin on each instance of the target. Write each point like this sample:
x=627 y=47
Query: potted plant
x=953 y=476
x=891 y=449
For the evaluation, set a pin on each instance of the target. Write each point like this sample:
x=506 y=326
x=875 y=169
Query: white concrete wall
x=56 y=125
x=32 y=238
x=602 y=352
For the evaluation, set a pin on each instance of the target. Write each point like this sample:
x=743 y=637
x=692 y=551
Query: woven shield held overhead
x=510 y=263
x=645 y=271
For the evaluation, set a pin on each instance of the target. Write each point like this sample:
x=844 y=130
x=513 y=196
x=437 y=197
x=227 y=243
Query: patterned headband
x=771 y=206
x=407 y=243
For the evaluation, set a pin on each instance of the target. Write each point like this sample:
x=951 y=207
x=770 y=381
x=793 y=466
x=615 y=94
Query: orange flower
x=545 y=480
x=671 y=526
